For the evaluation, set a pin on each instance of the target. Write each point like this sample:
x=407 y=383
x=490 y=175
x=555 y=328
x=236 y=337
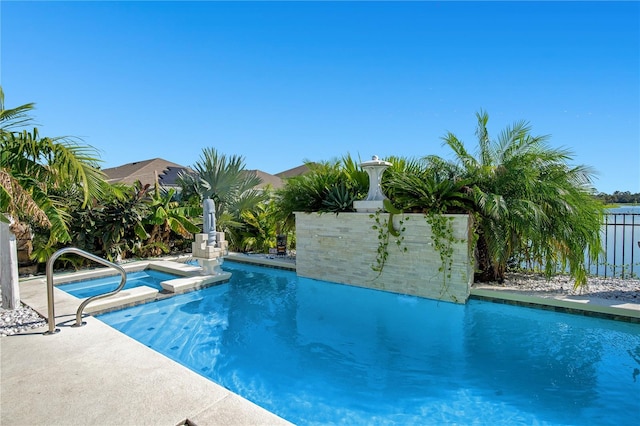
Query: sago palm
x=426 y=186
x=329 y=186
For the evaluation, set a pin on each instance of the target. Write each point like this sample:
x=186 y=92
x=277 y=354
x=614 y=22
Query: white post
x=9 y=268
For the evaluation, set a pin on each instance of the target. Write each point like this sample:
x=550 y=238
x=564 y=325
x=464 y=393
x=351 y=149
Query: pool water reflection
x=315 y=352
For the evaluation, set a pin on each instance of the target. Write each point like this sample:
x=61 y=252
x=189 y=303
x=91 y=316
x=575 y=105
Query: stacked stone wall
x=343 y=248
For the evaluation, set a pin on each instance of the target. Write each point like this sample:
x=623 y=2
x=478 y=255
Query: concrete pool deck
x=95 y=375
x=574 y=304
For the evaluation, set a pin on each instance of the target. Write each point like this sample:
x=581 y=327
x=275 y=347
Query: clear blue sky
x=280 y=83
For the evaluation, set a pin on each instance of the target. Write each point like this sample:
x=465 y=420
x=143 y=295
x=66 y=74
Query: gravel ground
x=13 y=321
x=24 y=318
x=627 y=290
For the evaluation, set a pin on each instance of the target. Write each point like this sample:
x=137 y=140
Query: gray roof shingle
x=146 y=172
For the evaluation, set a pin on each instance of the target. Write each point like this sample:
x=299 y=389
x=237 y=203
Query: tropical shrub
x=166 y=224
x=329 y=186
x=259 y=230
x=111 y=227
x=134 y=221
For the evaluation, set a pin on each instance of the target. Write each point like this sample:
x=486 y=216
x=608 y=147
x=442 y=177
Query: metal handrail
x=50 y=301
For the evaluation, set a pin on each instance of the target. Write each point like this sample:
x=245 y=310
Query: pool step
x=143 y=294
x=124 y=298
x=181 y=285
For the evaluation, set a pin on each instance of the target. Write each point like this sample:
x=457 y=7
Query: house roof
x=296 y=171
x=167 y=173
x=267 y=179
x=146 y=172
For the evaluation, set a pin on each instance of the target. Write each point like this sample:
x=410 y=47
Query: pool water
x=314 y=352
x=95 y=286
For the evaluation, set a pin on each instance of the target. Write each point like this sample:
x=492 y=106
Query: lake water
x=625 y=209
x=621 y=240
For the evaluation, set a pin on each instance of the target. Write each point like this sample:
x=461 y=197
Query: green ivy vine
x=385 y=228
x=443 y=239
x=441 y=235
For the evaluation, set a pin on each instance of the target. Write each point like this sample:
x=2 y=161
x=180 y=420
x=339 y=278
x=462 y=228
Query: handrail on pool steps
x=50 y=302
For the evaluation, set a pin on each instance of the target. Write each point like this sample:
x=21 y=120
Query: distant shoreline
x=616 y=205
x=623 y=208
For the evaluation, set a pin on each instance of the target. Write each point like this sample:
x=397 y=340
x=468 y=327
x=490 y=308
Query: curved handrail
x=50 y=301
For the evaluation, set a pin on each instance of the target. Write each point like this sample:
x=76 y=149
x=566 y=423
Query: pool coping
x=269 y=261
x=577 y=305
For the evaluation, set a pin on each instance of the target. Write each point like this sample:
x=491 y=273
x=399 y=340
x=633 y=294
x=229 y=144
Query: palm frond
x=13 y=118
x=15 y=201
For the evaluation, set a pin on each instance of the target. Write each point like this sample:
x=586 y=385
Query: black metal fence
x=621 y=244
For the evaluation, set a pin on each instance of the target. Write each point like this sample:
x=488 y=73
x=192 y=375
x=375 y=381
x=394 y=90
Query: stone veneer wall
x=342 y=248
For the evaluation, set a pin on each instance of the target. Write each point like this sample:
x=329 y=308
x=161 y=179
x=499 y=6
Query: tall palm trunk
x=485 y=266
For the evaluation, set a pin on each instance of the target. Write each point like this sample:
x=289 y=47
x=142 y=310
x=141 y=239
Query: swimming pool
x=95 y=286
x=315 y=352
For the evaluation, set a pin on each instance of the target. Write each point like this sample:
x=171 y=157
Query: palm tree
x=32 y=167
x=529 y=202
x=226 y=182
x=13 y=197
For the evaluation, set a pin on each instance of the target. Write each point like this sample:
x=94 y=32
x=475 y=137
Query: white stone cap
x=375 y=162
x=368 y=206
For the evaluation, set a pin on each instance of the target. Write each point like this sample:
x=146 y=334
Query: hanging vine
x=443 y=239
x=385 y=228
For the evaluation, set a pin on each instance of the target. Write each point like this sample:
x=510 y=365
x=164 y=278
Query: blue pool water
x=315 y=353
x=93 y=287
